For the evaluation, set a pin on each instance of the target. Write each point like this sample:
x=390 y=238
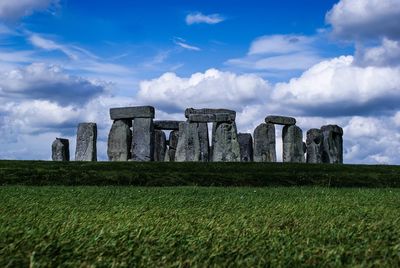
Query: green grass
x=197 y=226
x=200 y=174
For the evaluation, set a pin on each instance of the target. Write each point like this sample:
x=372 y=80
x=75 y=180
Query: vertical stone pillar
x=188 y=147
x=225 y=144
x=293 y=150
x=60 y=150
x=202 y=129
x=246 y=147
x=86 y=139
x=143 y=139
x=160 y=145
x=120 y=140
x=332 y=144
x=314 y=146
x=265 y=143
x=172 y=145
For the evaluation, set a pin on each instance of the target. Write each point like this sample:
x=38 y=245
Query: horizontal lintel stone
x=280 y=120
x=132 y=112
x=190 y=111
x=205 y=118
x=167 y=124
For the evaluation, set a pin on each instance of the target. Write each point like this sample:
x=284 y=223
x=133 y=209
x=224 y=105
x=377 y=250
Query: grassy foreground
x=200 y=174
x=189 y=226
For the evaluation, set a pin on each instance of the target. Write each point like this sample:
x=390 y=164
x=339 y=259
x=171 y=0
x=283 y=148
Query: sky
x=324 y=62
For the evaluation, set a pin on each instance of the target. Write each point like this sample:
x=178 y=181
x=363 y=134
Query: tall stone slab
x=160 y=145
x=202 y=130
x=60 y=150
x=314 y=146
x=143 y=139
x=225 y=144
x=265 y=143
x=293 y=149
x=86 y=139
x=172 y=145
x=332 y=144
x=188 y=147
x=120 y=140
x=246 y=147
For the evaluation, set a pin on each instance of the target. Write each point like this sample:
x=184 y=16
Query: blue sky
x=67 y=61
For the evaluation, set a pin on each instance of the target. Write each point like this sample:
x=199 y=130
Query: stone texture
x=293 y=150
x=132 y=112
x=143 y=139
x=120 y=140
x=60 y=150
x=246 y=147
x=265 y=143
x=204 y=118
x=202 y=129
x=86 y=139
x=314 y=146
x=188 y=147
x=167 y=124
x=190 y=111
x=225 y=144
x=160 y=145
x=172 y=145
x=332 y=144
x=280 y=120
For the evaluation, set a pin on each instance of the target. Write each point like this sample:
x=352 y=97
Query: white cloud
x=50 y=45
x=272 y=44
x=197 y=17
x=387 y=54
x=182 y=43
x=15 y=9
x=364 y=19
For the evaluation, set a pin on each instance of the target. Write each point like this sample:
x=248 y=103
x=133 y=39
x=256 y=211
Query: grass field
x=188 y=226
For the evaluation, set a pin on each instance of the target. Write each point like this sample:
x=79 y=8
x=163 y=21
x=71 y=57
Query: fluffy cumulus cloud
x=13 y=10
x=198 y=17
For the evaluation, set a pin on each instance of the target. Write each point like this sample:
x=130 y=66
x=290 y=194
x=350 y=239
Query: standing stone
x=188 y=147
x=314 y=145
x=60 y=150
x=246 y=147
x=120 y=140
x=293 y=151
x=264 y=143
x=160 y=145
x=225 y=144
x=143 y=139
x=202 y=129
x=86 y=139
x=173 y=144
x=332 y=144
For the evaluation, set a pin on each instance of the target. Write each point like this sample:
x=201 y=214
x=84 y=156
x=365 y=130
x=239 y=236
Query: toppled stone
x=86 y=138
x=332 y=144
x=167 y=124
x=205 y=118
x=188 y=147
x=225 y=144
x=132 y=112
x=280 y=120
x=190 y=111
x=265 y=143
x=120 y=140
x=292 y=138
x=246 y=147
x=143 y=139
x=314 y=146
x=160 y=146
x=60 y=150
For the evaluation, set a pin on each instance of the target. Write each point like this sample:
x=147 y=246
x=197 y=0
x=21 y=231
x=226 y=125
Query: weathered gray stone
x=167 y=124
x=60 y=150
x=314 y=145
x=225 y=144
x=202 y=129
x=188 y=147
x=160 y=145
x=265 y=143
x=190 y=111
x=292 y=138
x=132 y=112
x=280 y=120
x=120 y=140
x=86 y=139
x=205 y=118
x=143 y=139
x=172 y=145
x=332 y=144
x=246 y=147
